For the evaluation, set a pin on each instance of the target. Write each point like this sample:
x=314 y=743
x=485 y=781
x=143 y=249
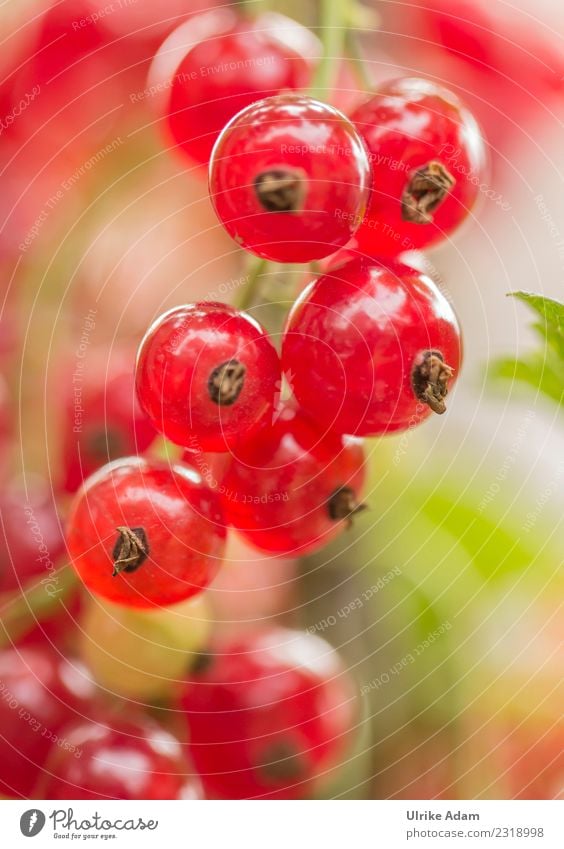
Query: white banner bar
x=284 y=825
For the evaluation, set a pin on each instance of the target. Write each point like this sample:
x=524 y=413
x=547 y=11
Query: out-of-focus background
x=447 y=600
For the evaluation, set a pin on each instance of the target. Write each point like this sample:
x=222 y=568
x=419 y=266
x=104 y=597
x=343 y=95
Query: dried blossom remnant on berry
x=226 y=382
x=282 y=761
x=343 y=505
x=130 y=550
x=425 y=191
x=430 y=378
x=280 y=190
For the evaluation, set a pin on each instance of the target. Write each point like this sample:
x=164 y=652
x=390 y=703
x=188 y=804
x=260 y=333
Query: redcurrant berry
x=110 y=423
x=39 y=692
x=428 y=160
x=81 y=76
x=142 y=533
x=143 y=21
x=268 y=712
x=289 y=179
x=118 y=758
x=371 y=349
x=57 y=624
x=292 y=489
x=219 y=62
x=206 y=374
x=32 y=539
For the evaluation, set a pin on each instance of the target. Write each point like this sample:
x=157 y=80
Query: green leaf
x=550 y=310
x=534 y=371
x=542 y=369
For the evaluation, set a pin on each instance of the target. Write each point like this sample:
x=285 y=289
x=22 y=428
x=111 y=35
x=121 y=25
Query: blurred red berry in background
x=102 y=418
x=216 y=64
x=118 y=758
x=40 y=692
x=31 y=537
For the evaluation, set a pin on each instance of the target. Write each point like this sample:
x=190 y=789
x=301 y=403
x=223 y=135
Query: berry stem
x=165 y=450
x=357 y=60
x=332 y=32
x=256 y=268
x=250 y=8
x=22 y=610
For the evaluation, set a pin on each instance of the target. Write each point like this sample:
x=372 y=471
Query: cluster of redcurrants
x=370 y=347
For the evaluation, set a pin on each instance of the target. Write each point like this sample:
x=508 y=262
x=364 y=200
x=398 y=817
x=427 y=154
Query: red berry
x=269 y=712
x=56 y=626
x=428 y=160
x=289 y=179
x=143 y=21
x=39 y=692
x=291 y=489
x=219 y=62
x=142 y=533
x=118 y=759
x=371 y=349
x=206 y=374
x=31 y=541
x=103 y=419
x=71 y=83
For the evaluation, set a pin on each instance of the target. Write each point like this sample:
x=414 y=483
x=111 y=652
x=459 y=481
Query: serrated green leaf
x=551 y=310
x=533 y=371
x=544 y=369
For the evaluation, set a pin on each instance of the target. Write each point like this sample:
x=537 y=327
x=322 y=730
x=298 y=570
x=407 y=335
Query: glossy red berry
x=428 y=161
x=103 y=420
x=371 y=349
x=206 y=374
x=268 y=713
x=118 y=758
x=39 y=692
x=219 y=62
x=292 y=489
x=289 y=179
x=142 y=533
x=31 y=539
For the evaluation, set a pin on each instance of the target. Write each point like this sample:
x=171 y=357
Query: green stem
x=332 y=31
x=247 y=293
x=250 y=8
x=164 y=450
x=20 y=611
x=357 y=61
